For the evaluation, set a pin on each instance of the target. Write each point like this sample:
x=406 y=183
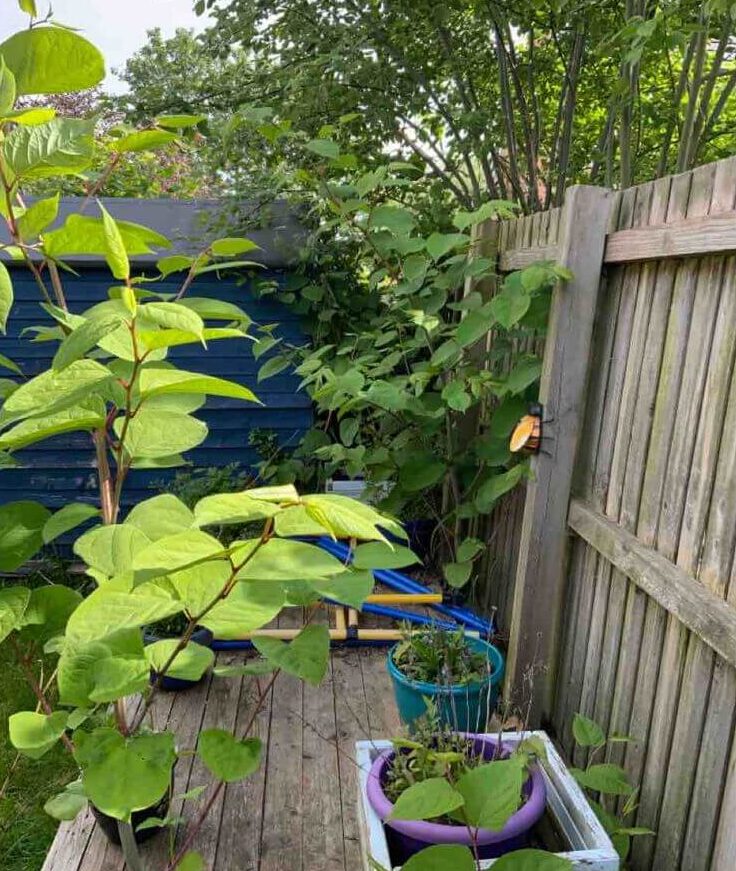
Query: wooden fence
x=621 y=581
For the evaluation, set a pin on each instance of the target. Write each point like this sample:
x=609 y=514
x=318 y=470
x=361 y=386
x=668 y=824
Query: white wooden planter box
x=589 y=847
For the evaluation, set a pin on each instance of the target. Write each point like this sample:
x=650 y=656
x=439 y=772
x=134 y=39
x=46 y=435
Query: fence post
x=540 y=574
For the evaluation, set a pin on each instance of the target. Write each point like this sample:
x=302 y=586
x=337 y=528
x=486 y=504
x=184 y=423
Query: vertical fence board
x=540 y=573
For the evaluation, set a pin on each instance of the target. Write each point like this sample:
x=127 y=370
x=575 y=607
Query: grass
x=26 y=832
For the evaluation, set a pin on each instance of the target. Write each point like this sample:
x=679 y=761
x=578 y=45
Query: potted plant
x=455 y=788
x=459 y=673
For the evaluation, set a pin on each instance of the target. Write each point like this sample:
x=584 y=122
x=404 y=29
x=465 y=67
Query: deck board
x=299 y=811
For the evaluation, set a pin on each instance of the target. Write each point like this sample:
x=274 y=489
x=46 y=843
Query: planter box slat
x=590 y=848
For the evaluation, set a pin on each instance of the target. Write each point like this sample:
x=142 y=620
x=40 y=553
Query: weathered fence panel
x=648 y=603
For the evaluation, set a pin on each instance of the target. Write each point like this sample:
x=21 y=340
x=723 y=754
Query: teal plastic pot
x=462 y=708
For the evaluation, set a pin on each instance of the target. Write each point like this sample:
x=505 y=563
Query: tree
x=509 y=100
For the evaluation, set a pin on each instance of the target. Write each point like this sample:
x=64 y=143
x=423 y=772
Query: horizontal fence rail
x=693 y=237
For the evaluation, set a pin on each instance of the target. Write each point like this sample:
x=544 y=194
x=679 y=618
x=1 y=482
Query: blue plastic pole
x=404 y=584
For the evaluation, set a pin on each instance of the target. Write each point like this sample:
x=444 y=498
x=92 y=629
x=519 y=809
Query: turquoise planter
x=463 y=708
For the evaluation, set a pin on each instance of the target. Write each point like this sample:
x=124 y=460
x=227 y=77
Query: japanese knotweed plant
x=111 y=378
x=425 y=359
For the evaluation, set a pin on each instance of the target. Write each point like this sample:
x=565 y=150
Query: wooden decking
x=299 y=812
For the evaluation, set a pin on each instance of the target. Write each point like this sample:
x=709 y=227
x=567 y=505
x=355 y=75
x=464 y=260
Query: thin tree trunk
x=685 y=150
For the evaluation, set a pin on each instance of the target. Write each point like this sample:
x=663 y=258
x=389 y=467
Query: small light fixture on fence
x=527 y=435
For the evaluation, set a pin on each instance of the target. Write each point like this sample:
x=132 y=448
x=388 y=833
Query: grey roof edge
x=190 y=224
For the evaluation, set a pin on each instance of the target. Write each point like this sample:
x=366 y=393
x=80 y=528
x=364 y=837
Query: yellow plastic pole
x=405 y=598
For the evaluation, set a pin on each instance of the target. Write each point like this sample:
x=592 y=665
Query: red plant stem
x=25 y=665
x=197 y=824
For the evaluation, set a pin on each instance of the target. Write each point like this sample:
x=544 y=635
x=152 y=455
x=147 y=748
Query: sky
x=117 y=27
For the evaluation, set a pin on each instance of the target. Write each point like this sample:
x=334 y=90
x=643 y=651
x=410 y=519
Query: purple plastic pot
x=407 y=837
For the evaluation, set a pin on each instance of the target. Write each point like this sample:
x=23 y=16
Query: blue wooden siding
x=62 y=469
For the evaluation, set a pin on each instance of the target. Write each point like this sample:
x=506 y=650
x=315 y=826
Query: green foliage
x=440 y=657
x=227 y=758
x=306 y=656
x=606 y=779
x=52 y=60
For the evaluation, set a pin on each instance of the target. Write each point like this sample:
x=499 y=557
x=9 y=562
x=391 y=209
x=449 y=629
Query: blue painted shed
x=62 y=469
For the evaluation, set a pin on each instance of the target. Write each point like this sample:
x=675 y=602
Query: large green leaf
x=420 y=472
x=216 y=309
x=87 y=415
x=121 y=776
x=171 y=315
x=474 y=326
x=160 y=516
x=34 y=734
x=38 y=216
x=143 y=140
x=347 y=518
x=52 y=60
x=6 y=296
x=190 y=663
x=280 y=559
x=249 y=606
x=198 y=585
x=427 y=799
x=107 y=611
x=587 y=732
x=52 y=390
x=380 y=555
x=442 y=857
x=306 y=657
x=492 y=792
x=83 y=339
x=115 y=677
x=61 y=146
x=79 y=659
x=21 y=532
x=604 y=777
x=225 y=508
x=160 y=381
x=67 y=518
x=226 y=757
x=491 y=490
x=531 y=860
x=111 y=549
x=156 y=433
x=13 y=604
x=48 y=611
x=231 y=247
x=395 y=219
x=350 y=588
x=7 y=88
x=155 y=339
x=67 y=805
x=83 y=234
x=115 y=253
x=174 y=552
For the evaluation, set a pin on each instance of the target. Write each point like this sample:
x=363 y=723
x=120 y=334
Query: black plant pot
x=177 y=684
x=109 y=825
